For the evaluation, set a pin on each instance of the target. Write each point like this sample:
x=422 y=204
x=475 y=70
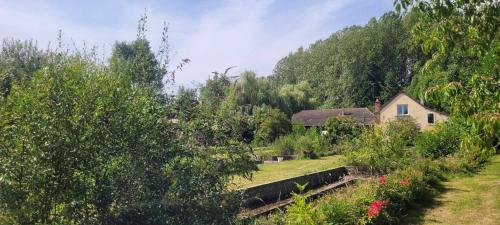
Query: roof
x=418 y=102
x=312 y=118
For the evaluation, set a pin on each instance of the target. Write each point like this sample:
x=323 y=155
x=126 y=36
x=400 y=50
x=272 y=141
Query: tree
x=462 y=37
x=296 y=97
x=355 y=65
x=79 y=145
x=214 y=90
x=271 y=123
x=19 y=60
x=184 y=103
x=137 y=62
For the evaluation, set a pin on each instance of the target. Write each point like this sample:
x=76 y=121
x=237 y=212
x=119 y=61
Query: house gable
x=403 y=105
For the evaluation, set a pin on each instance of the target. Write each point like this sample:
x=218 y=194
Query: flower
x=404 y=182
x=376 y=207
x=382 y=181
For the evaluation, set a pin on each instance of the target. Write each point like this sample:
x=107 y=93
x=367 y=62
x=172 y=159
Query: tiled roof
x=319 y=117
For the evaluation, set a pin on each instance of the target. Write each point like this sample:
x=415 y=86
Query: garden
x=87 y=140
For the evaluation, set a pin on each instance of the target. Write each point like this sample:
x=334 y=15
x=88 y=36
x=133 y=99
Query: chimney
x=377 y=107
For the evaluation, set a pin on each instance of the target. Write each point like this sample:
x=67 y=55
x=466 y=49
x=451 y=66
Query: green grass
x=466 y=200
x=287 y=169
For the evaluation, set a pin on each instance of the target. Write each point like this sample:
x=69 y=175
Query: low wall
x=267 y=193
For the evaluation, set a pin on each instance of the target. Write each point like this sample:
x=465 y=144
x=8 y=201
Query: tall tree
x=19 y=60
x=351 y=66
x=137 y=62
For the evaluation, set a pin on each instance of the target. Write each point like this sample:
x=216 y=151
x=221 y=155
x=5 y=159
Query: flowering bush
x=382 y=181
x=376 y=207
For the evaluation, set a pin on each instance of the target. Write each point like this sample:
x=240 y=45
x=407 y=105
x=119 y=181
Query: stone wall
x=267 y=193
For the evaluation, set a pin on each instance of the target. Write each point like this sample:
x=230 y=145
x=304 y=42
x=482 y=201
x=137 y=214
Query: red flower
x=404 y=182
x=382 y=181
x=376 y=207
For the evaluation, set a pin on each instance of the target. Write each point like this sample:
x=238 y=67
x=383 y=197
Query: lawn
x=466 y=200
x=277 y=171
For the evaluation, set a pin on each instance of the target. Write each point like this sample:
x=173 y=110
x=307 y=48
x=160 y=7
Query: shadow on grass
x=431 y=201
x=416 y=213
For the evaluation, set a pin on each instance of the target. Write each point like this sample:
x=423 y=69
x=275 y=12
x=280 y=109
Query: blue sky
x=216 y=34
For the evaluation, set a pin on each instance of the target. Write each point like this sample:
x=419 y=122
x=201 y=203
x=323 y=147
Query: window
x=402 y=110
x=430 y=118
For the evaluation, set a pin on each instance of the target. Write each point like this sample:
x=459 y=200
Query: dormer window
x=402 y=110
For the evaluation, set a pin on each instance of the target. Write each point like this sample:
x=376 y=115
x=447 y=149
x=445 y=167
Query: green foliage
x=184 y=103
x=214 y=90
x=19 y=60
x=79 y=145
x=398 y=192
x=353 y=66
x=285 y=145
x=298 y=129
x=312 y=144
x=339 y=128
x=441 y=141
x=137 y=62
x=309 y=144
x=405 y=129
x=383 y=148
x=301 y=212
x=462 y=37
x=296 y=97
x=271 y=124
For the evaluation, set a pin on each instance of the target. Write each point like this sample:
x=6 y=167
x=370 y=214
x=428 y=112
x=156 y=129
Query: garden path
x=466 y=200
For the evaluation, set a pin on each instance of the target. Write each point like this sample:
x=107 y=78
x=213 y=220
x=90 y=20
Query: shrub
x=381 y=148
x=80 y=146
x=272 y=125
x=443 y=140
x=341 y=128
x=285 y=145
x=302 y=212
x=403 y=129
x=298 y=129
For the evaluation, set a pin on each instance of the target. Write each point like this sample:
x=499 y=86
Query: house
x=318 y=118
x=402 y=105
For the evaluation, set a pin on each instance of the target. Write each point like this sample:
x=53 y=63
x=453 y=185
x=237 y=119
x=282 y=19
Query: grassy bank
x=465 y=200
x=278 y=171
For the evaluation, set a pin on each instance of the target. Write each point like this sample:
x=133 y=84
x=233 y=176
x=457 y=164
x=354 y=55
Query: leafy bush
x=271 y=124
x=441 y=141
x=312 y=144
x=285 y=145
x=404 y=129
x=341 y=128
x=383 y=147
x=309 y=145
x=302 y=212
x=298 y=129
x=81 y=146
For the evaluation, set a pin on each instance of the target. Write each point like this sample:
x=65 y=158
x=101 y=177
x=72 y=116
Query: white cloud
x=236 y=35
x=251 y=35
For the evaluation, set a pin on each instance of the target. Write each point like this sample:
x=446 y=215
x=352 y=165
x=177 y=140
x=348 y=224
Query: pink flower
x=382 y=181
x=376 y=207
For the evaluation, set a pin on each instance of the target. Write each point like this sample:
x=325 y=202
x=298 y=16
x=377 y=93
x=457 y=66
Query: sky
x=213 y=34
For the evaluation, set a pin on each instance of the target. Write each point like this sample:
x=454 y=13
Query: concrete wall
x=415 y=110
x=267 y=193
